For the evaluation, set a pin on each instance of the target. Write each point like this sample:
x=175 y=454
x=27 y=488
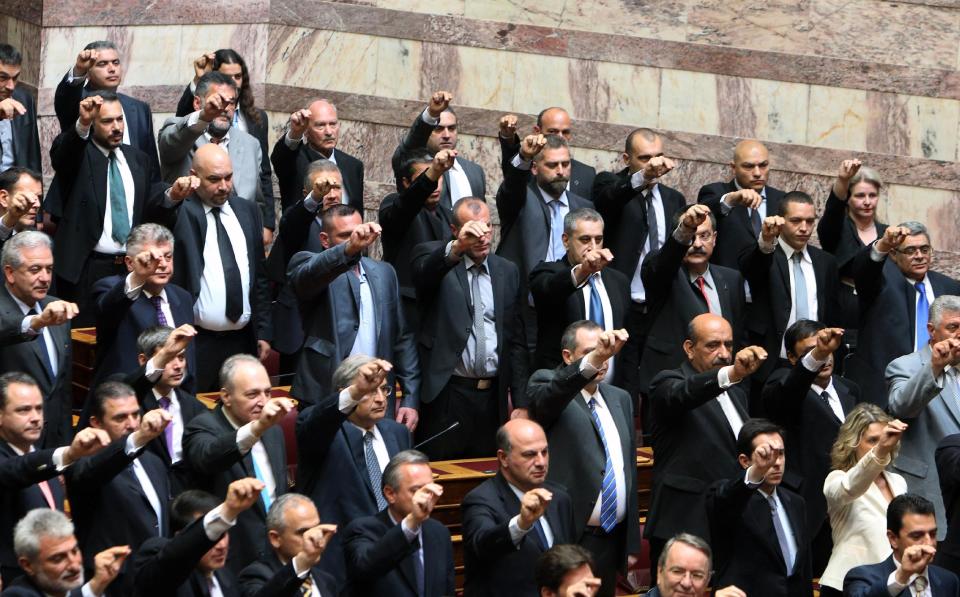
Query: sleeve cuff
x=723 y=377
x=245 y=438
x=195 y=124
x=57 y=459
x=637 y=180
x=519 y=163
x=292 y=143
x=215 y=525
x=346 y=402
x=75 y=80
x=765 y=247
x=82 y=131
x=573 y=277
x=810 y=363
x=725 y=207
x=25 y=326
x=409 y=533
x=87 y=591
x=587 y=370
x=893 y=587
x=301 y=574
x=876 y=255
x=448 y=254
x=425 y=116
x=748 y=482
x=310 y=203
x=129 y=290
x=516 y=533
x=132 y=448
x=681 y=236
x=152 y=372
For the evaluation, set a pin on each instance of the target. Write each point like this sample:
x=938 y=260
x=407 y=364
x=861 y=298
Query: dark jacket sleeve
x=660 y=268
x=549 y=392
x=370 y=553
x=673 y=395
x=21 y=472
x=93 y=472
x=185 y=104
x=162 y=565
x=830 y=226
x=611 y=192
x=487 y=538
x=66 y=103
x=256 y=580
x=867 y=277
x=429 y=266
x=397 y=216
x=861 y=582
x=66 y=154
x=755 y=265
x=415 y=138
x=317 y=427
x=261 y=283
x=785 y=391
x=551 y=285
x=206 y=450
x=309 y=274
x=511 y=196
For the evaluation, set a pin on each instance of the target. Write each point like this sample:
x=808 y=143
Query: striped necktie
x=608 y=489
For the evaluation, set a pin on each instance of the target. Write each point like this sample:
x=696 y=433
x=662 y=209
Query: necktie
x=703 y=292
x=265 y=492
x=755 y=222
x=231 y=271
x=799 y=288
x=45 y=348
x=168 y=431
x=596 y=305
x=653 y=228
x=306 y=588
x=923 y=314
x=480 y=358
x=556 y=231
x=47 y=494
x=541 y=535
x=920 y=586
x=119 y=220
x=373 y=470
x=418 y=567
x=157 y=302
x=608 y=488
x=825 y=396
x=788 y=555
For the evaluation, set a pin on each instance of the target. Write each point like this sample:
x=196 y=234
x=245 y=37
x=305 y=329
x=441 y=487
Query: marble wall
x=819 y=81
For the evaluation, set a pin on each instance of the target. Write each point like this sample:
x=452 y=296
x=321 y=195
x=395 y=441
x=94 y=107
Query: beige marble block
x=688 y=102
x=398 y=66
x=487 y=78
x=624 y=94
x=936 y=208
x=780 y=109
x=837 y=118
x=931 y=122
x=59 y=49
x=542 y=81
x=323 y=59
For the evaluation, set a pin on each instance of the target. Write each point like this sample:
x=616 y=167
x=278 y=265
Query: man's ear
x=325 y=240
x=197 y=103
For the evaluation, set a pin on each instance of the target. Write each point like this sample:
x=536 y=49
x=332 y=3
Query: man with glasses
x=896 y=288
x=684 y=568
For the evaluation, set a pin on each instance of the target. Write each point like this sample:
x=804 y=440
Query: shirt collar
x=23 y=306
x=707 y=277
x=162 y=294
x=596 y=396
x=18 y=451
x=514 y=489
x=229 y=418
x=224 y=209
x=106 y=152
x=828 y=389
x=468 y=262
x=547 y=198
x=224 y=141
x=375 y=430
x=172 y=397
x=772 y=494
x=789 y=251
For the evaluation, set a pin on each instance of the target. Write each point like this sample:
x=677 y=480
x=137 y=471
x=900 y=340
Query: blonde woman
x=858 y=491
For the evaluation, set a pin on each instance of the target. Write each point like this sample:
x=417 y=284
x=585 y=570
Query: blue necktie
x=373 y=470
x=555 y=242
x=799 y=288
x=541 y=536
x=608 y=489
x=596 y=305
x=264 y=493
x=923 y=314
x=789 y=557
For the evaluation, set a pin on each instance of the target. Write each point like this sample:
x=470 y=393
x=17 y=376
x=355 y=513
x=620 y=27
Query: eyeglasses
x=386 y=390
x=911 y=251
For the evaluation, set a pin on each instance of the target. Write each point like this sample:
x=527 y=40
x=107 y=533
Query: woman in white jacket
x=858 y=491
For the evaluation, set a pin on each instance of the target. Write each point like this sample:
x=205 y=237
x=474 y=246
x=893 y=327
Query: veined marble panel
x=934 y=207
x=837 y=118
x=323 y=59
x=26 y=10
x=688 y=102
x=25 y=36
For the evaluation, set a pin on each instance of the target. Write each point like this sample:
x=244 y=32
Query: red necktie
x=47 y=494
x=703 y=291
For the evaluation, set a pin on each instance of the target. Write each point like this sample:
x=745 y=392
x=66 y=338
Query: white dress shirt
x=209 y=311
x=637 y=292
x=247 y=442
x=379 y=446
x=784 y=522
x=617 y=458
x=366 y=340
x=45 y=336
x=106 y=244
x=607 y=310
x=812 y=364
x=726 y=404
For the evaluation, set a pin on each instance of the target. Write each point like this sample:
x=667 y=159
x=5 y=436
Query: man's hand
x=828 y=341
x=915 y=560
x=771 y=228
x=892 y=237
x=890 y=438
x=471 y=234
x=177 y=342
x=586 y=587
x=423 y=502
x=442 y=162
x=746 y=362
x=362 y=237
x=657 y=167
x=89 y=108
x=408 y=417
x=314 y=543
x=273 y=412
x=203 y=65
x=18 y=205
x=299 y=123
x=86 y=442
x=267 y=239
x=369 y=378
x=152 y=425
x=508 y=127
x=763 y=458
x=731 y=591
x=519 y=413
x=594 y=260
x=746 y=198
x=608 y=344
x=321 y=191
x=145 y=264
x=85 y=61
x=531 y=146
x=55 y=313
x=11 y=108
x=183 y=187
x=263 y=350
x=943 y=353
x=533 y=505
x=695 y=215
x=106 y=567
x=439 y=102
x=242 y=494
x=213 y=106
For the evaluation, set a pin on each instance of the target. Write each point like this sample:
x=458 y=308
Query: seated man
x=566 y=571
x=401 y=551
x=684 y=568
x=912 y=531
x=21 y=191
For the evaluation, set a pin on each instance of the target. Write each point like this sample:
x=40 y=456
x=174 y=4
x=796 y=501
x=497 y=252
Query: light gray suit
x=933 y=412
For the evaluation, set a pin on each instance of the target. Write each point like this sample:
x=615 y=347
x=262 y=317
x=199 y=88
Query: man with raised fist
x=21 y=193
x=19 y=136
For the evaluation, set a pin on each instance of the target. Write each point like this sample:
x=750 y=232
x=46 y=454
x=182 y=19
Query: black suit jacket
x=624 y=212
x=20 y=475
x=26 y=138
x=291 y=167
x=672 y=302
x=888 y=316
x=188 y=221
x=380 y=559
x=329 y=447
x=871 y=581
x=22 y=352
x=210 y=449
x=167 y=567
x=446 y=320
x=559 y=303
x=79 y=196
x=270 y=578
x=695 y=447
x=24 y=587
x=494 y=565
x=948 y=469
x=746 y=551
x=734 y=232
x=417 y=137
x=577 y=455
x=838 y=234
x=581 y=175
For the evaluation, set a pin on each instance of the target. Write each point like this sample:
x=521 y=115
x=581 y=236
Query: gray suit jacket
x=932 y=411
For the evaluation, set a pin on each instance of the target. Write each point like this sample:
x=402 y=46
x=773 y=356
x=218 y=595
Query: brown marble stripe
x=938 y=3
x=26 y=10
x=736 y=105
x=75 y=13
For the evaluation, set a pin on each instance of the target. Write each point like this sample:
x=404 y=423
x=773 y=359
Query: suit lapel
x=445 y=199
x=723 y=292
x=460 y=271
x=98 y=168
x=910 y=298
x=783 y=271
x=358 y=451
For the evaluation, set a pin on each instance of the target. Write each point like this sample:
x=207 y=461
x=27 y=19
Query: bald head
x=522 y=453
x=324 y=130
x=519 y=430
x=212 y=165
x=554 y=121
x=750 y=164
x=709 y=342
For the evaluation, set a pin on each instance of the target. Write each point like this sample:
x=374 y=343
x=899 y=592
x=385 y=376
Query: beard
x=58 y=585
x=557 y=186
x=218 y=128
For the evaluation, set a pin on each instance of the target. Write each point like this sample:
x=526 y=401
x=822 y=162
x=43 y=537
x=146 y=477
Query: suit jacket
x=79 y=197
x=120 y=321
x=22 y=352
x=811 y=428
x=25 y=587
x=746 y=551
x=379 y=558
x=734 y=232
x=947 y=459
x=270 y=578
x=328 y=293
x=330 y=447
x=494 y=565
x=624 y=211
x=26 y=138
x=932 y=413
x=695 y=447
x=838 y=234
x=871 y=581
x=188 y=221
x=178 y=142
x=417 y=137
x=581 y=175
x=291 y=167
x=888 y=316
x=559 y=303
x=210 y=449
x=166 y=567
x=672 y=302
x=577 y=454
x=446 y=321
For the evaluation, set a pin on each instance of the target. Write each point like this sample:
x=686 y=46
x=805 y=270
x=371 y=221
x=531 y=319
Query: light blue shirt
x=366 y=340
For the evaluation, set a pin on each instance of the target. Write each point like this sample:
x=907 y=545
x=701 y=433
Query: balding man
x=696 y=413
x=219 y=260
x=312 y=134
x=509 y=520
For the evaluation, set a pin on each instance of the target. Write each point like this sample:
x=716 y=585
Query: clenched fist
x=362 y=237
x=772 y=225
x=746 y=362
x=508 y=127
x=531 y=146
x=439 y=102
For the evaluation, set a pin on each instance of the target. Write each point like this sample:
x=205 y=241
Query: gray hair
x=275 y=516
x=28 y=239
x=229 y=367
x=318 y=166
x=148 y=233
x=945 y=303
x=691 y=540
x=210 y=79
x=915 y=228
x=391 y=474
x=867 y=175
x=583 y=214
x=37 y=524
x=569 y=339
x=347 y=370
x=152 y=339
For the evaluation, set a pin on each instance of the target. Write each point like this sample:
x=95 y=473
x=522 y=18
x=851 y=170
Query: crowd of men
x=613 y=313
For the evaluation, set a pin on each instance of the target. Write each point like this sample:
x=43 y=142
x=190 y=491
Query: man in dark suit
x=101 y=187
x=299 y=542
x=591 y=431
x=144 y=298
x=550 y=121
x=696 y=412
x=759 y=526
x=896 y=289
x=509 y=520
x=19 y=138
x=219 y=260
x=578 y=286
x=811 y=403
x=685 y=567
x=35 y=330
x=471 y=340
x=239 y=439
x=312 y=134
x=120 y=496
x=947 y=459
x=401 y=551
x=436 y=129
x=193 y=563
x=912 y=532
x=742 y=204
x=348 y=437
x=21 y=193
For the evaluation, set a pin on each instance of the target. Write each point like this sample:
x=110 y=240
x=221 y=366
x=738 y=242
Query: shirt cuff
x=519 y=163
x=291 y=142
x=573 y=277
x=748 y=482
x=723 y=377
x=637 y=180
x=152 y=372
x=425 y=116
x=893 y=587
x=74 y=80
x=245 y=438
x=193 y=88
x=25 y=326
x=301 y=574
x=409 y=533
x=132 y=448
x=215 y=525
x=516 y=533
x=811 y=363
x=131 y=292
x=311 y=204
x=57 y=459
x=82 y=131
x=587 y=370
x=347 y=403
x=876 y=255
x=87 y=591
x=683 y=237
x=448 y=254
x=725 y=207
x=765 y=247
